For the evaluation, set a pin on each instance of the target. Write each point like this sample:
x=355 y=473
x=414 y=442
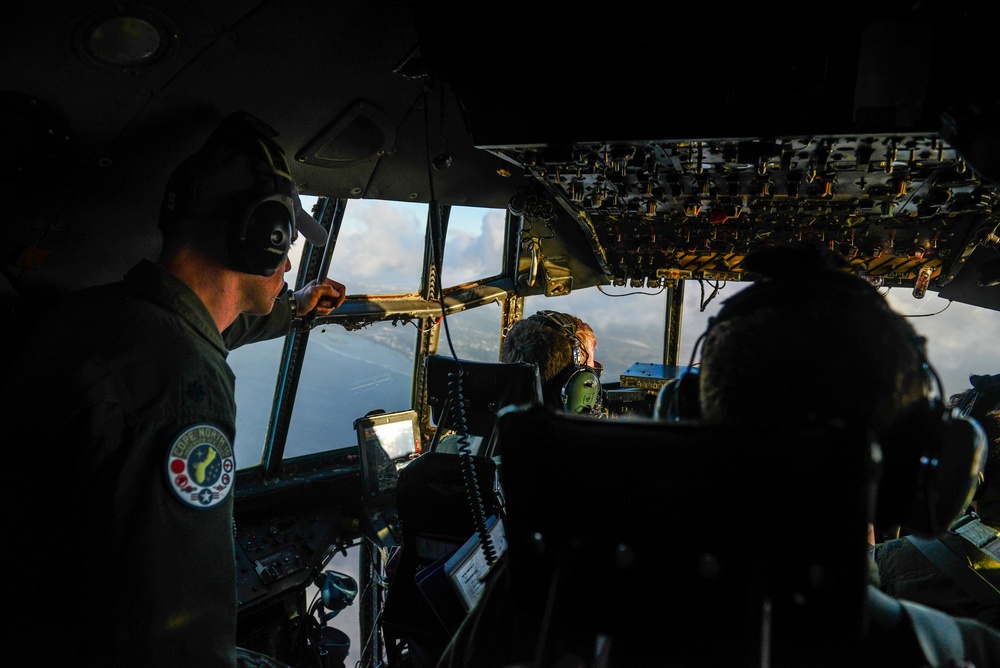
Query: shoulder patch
x=200 y=466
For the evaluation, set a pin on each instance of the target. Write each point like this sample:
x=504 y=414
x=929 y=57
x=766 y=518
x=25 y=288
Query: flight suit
x=122 y=417
x=905 y=572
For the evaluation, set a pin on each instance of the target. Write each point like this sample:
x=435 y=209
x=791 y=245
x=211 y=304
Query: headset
x=933 y=459
x=260 y=237
x=579 y=383
x=241 y=162
x=929 y=462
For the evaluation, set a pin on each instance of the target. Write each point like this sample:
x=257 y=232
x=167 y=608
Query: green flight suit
x=122 y=418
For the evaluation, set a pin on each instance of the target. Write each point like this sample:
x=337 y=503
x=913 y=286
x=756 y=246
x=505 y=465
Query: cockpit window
x=473 y=245
x=474 y=333
x=380 y=249
x=345 y=375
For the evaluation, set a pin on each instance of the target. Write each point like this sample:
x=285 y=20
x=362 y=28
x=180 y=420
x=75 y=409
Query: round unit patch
x=200 y=466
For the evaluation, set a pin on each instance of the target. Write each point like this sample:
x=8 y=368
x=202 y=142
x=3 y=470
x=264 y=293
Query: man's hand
x=319 y=298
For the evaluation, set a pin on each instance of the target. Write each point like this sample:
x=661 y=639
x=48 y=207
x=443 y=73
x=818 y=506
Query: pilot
x=830 y=347
x=563 y=346
x=122 y=410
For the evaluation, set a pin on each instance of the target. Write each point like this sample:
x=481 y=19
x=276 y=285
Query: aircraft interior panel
x=288 y=527
x=894 y=206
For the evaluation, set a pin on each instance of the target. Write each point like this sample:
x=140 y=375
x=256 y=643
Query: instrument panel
x=275 y=556
x=897 y=208
x=288 y=527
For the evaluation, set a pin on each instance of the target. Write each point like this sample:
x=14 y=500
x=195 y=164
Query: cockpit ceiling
x=687 y=141
x=890 y=204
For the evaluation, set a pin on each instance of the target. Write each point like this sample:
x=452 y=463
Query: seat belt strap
x=964 y=575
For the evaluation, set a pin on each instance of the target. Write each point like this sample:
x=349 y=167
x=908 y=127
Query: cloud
x=474 y=246
x=380 y=248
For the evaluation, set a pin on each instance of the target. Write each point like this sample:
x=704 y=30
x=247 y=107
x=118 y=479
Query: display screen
x=387 y=442
x=396 y=439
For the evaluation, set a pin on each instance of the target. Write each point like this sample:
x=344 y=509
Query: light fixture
x=124 y=37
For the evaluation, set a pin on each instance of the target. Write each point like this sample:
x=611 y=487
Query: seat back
x=717 y=546
x=438 y=513
x=465 y=395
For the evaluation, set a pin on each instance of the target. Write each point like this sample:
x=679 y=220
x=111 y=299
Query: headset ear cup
x=664 y=398
x=581 y=391
x=959 y=470
x=930 y=470
x=262 y=238
x=680 y=398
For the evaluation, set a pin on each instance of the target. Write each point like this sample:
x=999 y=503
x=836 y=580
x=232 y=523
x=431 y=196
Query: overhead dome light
x=124 y=37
